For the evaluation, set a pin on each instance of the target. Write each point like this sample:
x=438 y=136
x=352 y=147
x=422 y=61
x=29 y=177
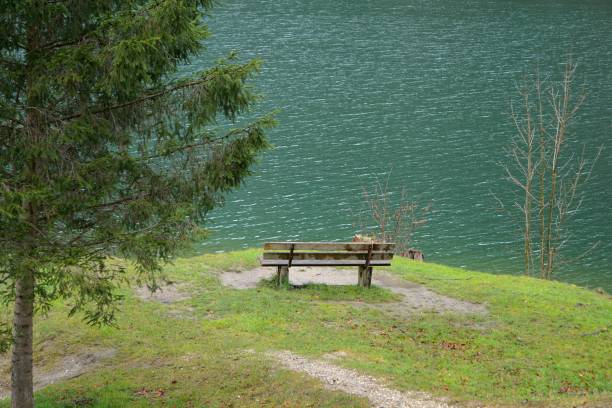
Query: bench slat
x=329 y=246
x=323 y=262
x=328 y=255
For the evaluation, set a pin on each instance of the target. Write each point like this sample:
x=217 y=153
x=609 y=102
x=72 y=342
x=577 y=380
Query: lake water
x=422 y=88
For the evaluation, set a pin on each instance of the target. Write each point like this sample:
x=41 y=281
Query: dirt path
x=69 y=367
x=415 y=297
x=351 y=382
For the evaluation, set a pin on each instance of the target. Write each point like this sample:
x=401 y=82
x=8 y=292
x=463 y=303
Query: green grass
x=542 y=343
x=342 y=293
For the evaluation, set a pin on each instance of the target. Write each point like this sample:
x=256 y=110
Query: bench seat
x=322 y=262
x=364 y=255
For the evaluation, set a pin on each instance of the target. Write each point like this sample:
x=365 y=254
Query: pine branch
x=139 y=100
x=203 y=143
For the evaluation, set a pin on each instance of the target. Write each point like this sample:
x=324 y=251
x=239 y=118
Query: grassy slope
x=531 y=347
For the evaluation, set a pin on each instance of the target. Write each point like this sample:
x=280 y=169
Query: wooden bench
x=364 y=255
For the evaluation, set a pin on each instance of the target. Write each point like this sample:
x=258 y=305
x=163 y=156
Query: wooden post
x=360 y=279
x=283 y=271
x=283 y=275
x=365 y=272
x=368 y=277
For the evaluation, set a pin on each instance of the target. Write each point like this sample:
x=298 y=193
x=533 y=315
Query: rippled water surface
x=422 y=88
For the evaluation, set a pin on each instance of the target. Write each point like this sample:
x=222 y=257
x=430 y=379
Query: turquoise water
x=422 y=88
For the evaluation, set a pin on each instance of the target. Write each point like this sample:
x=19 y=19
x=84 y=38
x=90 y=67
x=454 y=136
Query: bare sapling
x=548 y=174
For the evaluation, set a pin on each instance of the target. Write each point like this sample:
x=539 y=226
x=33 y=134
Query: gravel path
x=351 y=382
x=415 y=297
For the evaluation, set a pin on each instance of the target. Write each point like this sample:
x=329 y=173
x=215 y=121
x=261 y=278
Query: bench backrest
x=328 y=253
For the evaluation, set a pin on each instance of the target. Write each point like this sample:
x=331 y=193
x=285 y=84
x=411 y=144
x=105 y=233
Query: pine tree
x=105 y=150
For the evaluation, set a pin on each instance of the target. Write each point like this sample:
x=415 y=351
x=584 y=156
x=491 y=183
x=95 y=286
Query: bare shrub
x=386 y=218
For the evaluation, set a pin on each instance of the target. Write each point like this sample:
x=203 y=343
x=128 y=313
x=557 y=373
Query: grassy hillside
x=542 y=343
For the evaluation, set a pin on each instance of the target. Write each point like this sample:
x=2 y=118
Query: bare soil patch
x=167 y=293
x=69 y=367
x=415 y=297
x=352 y=382
x=418 y=297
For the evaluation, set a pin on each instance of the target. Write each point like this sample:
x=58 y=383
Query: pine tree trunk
x=22 y=384
x=22 y=388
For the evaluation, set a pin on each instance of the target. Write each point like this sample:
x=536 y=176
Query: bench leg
x=368 y=277
x=365 y=277
x=360 y=276
x=282 y=276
